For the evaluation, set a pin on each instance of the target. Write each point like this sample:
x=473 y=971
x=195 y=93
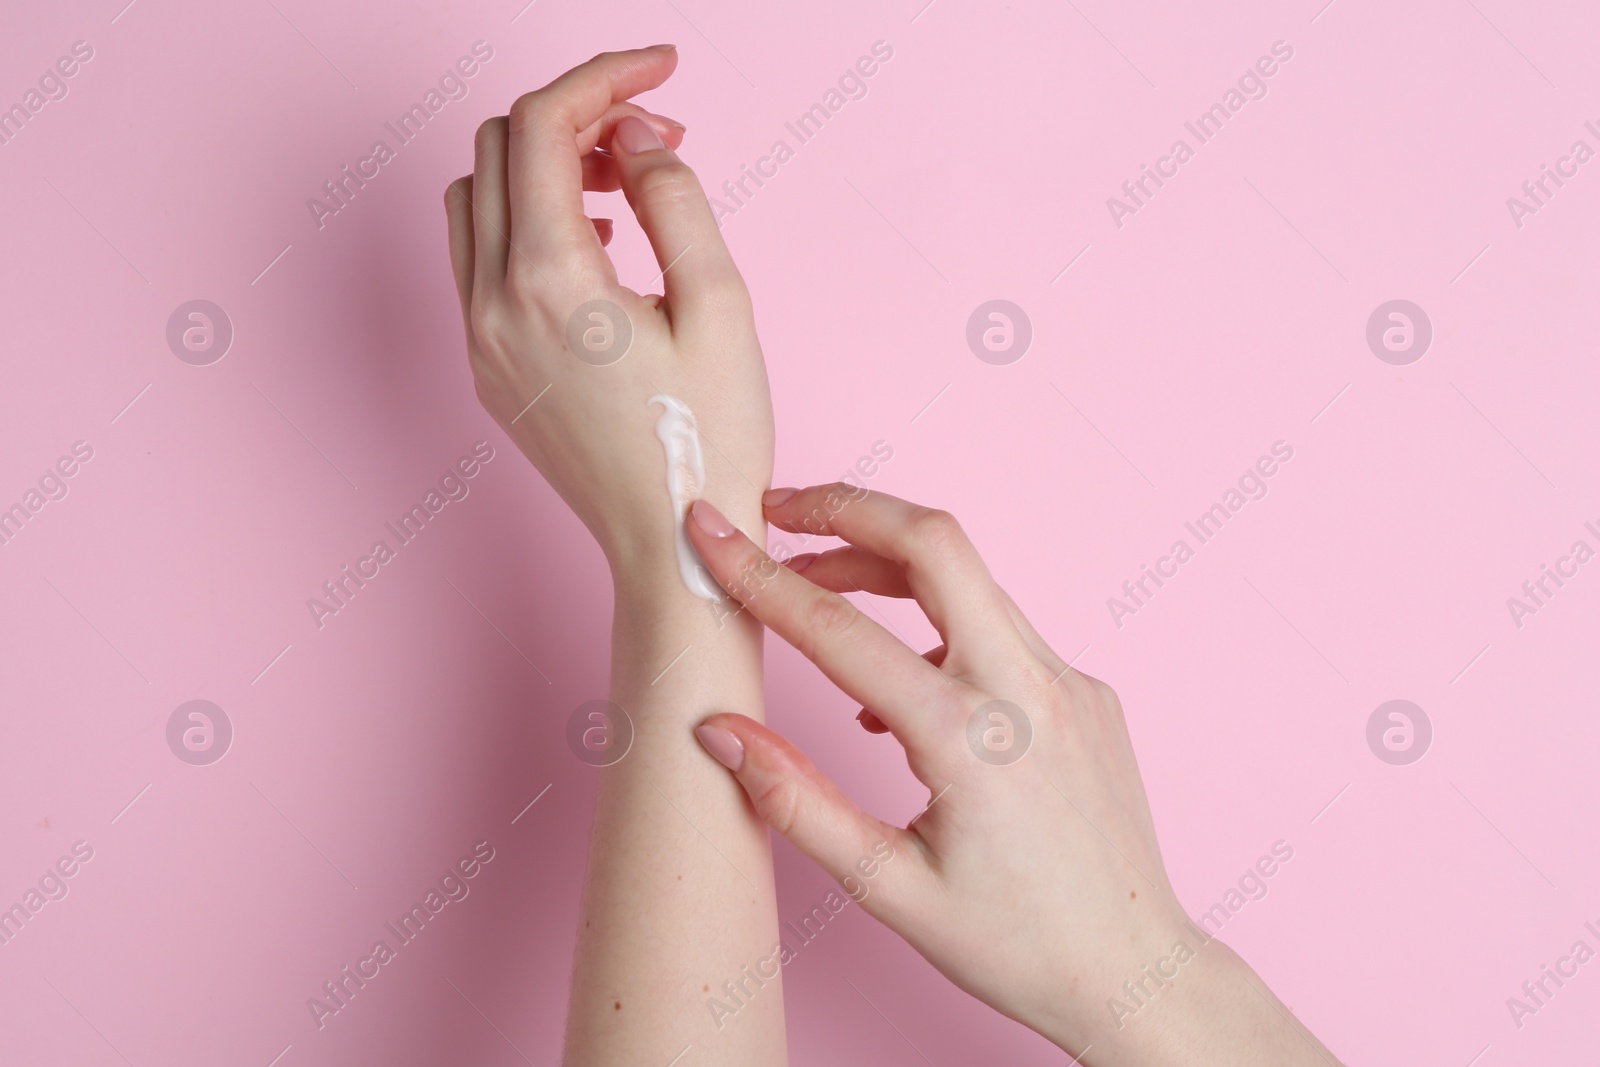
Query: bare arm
x=678 y=905
x=574 y=366
x=1035 y=882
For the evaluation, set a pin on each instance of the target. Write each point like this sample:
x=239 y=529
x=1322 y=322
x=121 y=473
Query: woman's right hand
x=1033 y=879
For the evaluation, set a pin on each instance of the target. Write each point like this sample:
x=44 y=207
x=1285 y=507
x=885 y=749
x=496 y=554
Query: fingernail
x=661 y=48
x=773 y=497
x=635 y=135
x=710 y=519
x=871 y=723
x=802 y=561
x=723 y=746
x=672 y=122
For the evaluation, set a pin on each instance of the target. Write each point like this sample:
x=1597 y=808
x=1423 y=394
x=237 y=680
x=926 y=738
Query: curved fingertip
x=742 y=727
x=710 y=520
x=634 y=135
x=661 y=55
x=722 y=743
x=605 y=229
x=757 y=744
x=802 y=561
x=774 y=497
x=458 y=192
x=871 y=723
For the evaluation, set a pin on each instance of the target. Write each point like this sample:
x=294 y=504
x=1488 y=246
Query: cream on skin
x=686 y=475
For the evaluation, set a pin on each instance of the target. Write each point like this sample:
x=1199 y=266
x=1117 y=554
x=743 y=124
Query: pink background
x=1227 y=314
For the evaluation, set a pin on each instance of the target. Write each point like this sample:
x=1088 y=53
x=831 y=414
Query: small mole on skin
x=705 y=989
x=680 y=877
x=616 y=1005
x=1132 y=894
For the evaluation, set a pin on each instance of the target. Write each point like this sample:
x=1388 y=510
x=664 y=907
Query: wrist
x=1173 y=1022
x=676 y=653
x=646 y=561
x=1213 y=1011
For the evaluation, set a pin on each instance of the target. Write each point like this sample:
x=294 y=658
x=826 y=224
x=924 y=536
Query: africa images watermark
x=1137 y=993
x=453 y=887
x=1252 y=85
x=1538 y=592
x=1537 y=994
x=853 y=484
x=736 y=995
x=851 y=85
x=1537 y=192
x=340 y=190
x=454 y=485
x=52 y=886
x=52 y=86
x=52 y=485
x=1251 y=485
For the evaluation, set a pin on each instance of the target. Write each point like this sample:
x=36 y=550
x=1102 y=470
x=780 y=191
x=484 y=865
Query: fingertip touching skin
x=1032 y=876
x=566 y=359
x=798 y=801
x=1033 y=879
x=854 y=651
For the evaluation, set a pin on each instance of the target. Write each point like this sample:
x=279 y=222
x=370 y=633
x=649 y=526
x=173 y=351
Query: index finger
x=544 y=167
x=944 y=571
x=858 y=655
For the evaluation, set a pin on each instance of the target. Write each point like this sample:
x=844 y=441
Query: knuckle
x=1094 y=696
x=779 y=804
x=490 y=133
x=668 y=184
x=1107 y=698
x=728 y=300
x=828 y=619
x=937 y=534
x=755 y=572
x=524 y=278
x=527 y=111
x=487 y=320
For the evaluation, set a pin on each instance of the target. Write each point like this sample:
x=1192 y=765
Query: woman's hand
x=567 y=361
x=1033 y=879
x=564 y=357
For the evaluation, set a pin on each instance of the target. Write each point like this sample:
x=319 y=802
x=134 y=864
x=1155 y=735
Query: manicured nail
x=661 y=48
x=635 y=135
x=723 y=746
x=773 y=497
x=871 y=723
x=802 y=561
x=710 y=519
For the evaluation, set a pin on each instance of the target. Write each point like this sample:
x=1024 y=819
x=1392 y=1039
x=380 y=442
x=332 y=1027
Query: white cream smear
x=686 y=475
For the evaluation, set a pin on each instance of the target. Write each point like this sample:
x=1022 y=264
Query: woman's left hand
x=563 y=356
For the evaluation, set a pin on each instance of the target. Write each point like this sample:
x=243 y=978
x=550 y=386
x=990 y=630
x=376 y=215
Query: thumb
x=697 y=271
x=867 y=856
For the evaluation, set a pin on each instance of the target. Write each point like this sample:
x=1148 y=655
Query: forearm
x=1215 y=1012
x=679 y=897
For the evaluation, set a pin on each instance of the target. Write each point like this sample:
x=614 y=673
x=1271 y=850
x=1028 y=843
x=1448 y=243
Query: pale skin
x=679 y=893
x=1035 y=885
